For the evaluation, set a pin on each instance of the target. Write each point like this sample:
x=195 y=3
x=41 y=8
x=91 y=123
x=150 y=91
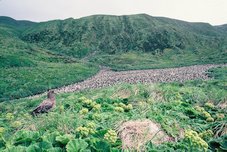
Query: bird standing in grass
x=46 y=105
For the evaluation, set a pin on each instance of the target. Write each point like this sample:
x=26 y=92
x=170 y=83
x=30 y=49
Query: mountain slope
x=113 y=34
x=14 y=23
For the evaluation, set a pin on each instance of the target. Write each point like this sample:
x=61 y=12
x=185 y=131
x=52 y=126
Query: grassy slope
x=26 y=69
x=170 y=58
x=170 y=104
x=26 y=81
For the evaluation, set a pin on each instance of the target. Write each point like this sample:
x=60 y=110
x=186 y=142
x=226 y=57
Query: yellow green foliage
x=9 y=116
x=83 y=111
x=220 y=116
x=120 y=106
x=207 y=134
x=87 y=101
x=92 y=104
x=97 y=107
x=111 y=136
x=199 y=109
x=61 y=108
x=195 y=139
x=129 y=107
x=96 y=116
x=16 y=124
x=82 y=98
x=89 y=129
x=178 y=96
x=91 y=125
x=84 y=131
x=26 y=115
x=2 y=129
x=204 y=113
x=119 y=109
x=210 y=119
x=209 y=105
x=178 y=102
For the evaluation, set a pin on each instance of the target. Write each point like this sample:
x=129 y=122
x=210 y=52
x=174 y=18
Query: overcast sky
x=211 y=11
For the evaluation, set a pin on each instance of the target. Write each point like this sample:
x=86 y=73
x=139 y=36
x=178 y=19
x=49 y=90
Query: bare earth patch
x=122 y=94
x=222 y=105
x=135 y=134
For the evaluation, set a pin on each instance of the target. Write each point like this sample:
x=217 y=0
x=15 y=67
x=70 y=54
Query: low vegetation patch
x=168 y=58
x=27 y=81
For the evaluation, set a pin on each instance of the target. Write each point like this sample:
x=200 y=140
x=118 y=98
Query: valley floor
x=107 y=77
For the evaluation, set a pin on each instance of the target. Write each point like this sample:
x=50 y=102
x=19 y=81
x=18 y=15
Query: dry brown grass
x=135 y=134
x=223 y=105
x=122 y=94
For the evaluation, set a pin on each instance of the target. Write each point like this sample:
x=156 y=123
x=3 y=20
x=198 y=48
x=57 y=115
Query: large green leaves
x=15 y=149
x=55 y=149
x=224 y=145
x=101 y=146
x=40 y=147
x=50 y=137
x=64 y=139
x=77 y=145
x=46 y=147
x=26 y=137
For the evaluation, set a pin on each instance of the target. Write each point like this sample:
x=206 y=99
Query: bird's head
x=51 y=94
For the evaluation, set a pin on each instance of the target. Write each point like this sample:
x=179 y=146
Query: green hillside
x=27 y=69
x=120 y=42
x=114 y=34
x=158 y=41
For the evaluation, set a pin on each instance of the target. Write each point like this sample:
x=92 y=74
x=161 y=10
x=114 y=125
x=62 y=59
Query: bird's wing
x=47 y=106
x=43 y=107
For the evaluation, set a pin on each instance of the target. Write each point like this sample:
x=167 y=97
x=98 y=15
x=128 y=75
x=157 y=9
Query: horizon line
x=114 y=15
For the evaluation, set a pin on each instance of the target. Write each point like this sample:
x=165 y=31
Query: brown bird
x=46 y=105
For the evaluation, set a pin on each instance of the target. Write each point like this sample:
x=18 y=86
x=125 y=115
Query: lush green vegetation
x=169 y=58
x=116 y=34
x=26 y=69
x=40 y=56
x=26 y=81
x=30 y=51
x=87 y=121
x=120 y=34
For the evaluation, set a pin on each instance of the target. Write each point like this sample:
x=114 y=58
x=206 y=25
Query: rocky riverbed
x=106 y=77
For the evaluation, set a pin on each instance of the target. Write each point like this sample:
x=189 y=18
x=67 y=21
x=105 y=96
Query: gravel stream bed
x=106 y=77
